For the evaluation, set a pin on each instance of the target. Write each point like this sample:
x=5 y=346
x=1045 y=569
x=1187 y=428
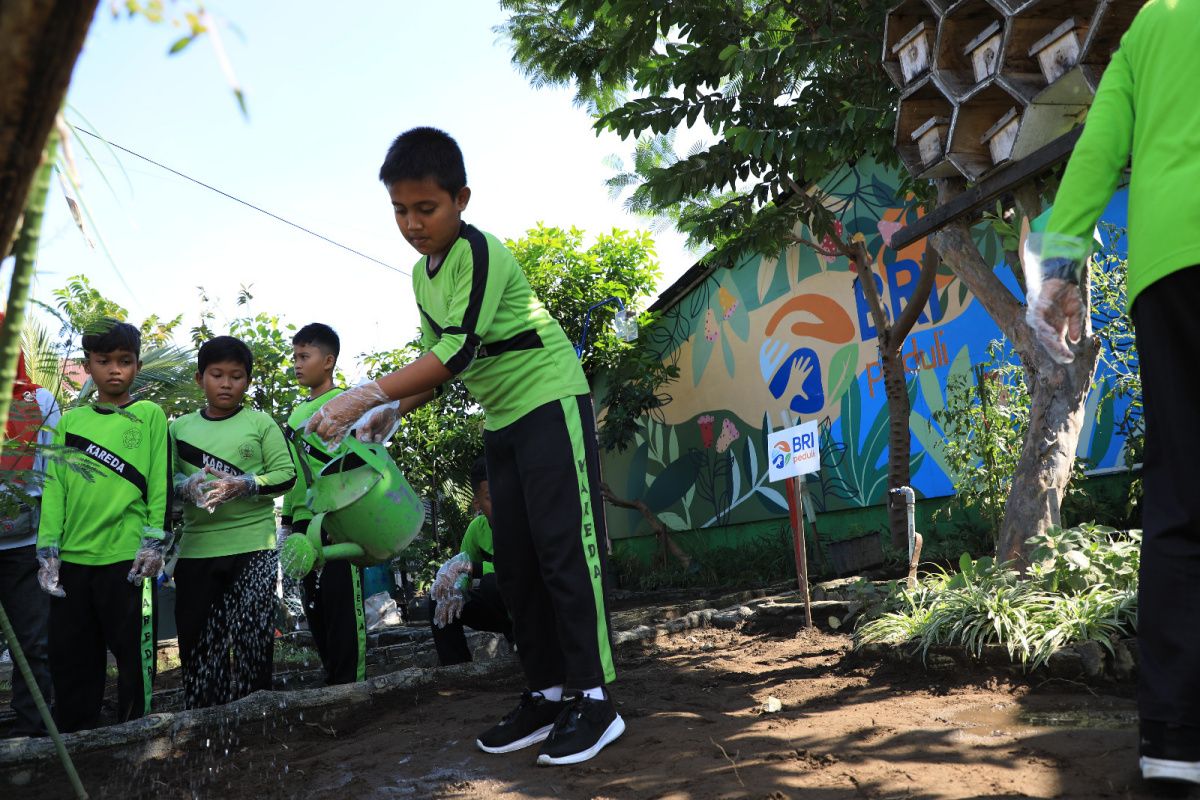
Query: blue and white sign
x=794 y=451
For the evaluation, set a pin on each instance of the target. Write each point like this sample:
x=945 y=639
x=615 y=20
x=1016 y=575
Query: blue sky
x=328 y=86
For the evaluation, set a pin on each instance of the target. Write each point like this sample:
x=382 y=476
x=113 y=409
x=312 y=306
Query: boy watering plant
x=333 y=602
x=481 y=323
x=229 y=463
x=100 y=540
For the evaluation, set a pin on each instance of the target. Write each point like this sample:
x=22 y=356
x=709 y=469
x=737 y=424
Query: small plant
x=1079 y=558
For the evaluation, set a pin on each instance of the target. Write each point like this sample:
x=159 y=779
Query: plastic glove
x=450 y=609
x=281 y=534
x=1054 y=267
x=226 y=488
x=335 y=418
x=380 y=424
x=449 y=576
x=149 y=560
x=191 y=487
x=48 y=566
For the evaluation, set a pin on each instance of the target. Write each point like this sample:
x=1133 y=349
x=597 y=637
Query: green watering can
x=363 y=504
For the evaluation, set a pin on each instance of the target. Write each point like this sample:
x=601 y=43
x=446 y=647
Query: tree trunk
x=666 y=545
x=1058 y=394
x=39 y=43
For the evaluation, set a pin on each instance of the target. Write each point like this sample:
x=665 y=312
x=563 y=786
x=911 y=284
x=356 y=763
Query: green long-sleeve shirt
x=306 y=446
x=477 y=543
x=101 y=517
x=246 y=442
x=1146 y=106
x=482 y=320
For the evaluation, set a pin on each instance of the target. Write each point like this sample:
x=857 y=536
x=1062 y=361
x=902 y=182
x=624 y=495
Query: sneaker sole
x=539 y=735
x=611 y=734
x=1160 y=769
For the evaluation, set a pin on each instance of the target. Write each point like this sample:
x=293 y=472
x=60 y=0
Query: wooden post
x=796 y=510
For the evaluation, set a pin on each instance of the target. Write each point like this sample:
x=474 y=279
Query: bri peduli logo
x=781 y=454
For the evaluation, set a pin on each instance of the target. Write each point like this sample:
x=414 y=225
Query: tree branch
x=956 y=247
x=657 y=525
x=908 y=317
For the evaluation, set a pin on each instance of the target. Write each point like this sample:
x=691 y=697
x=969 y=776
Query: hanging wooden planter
x=984 y=52
x=1001 y=137
x=931 y=139
x=1058 y=51
x=913 y=50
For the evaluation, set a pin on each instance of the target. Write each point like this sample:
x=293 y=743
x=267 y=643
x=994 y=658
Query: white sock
x=595 y=693
x=553 y=694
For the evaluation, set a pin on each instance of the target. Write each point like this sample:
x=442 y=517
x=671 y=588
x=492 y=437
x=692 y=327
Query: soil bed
x=694 y=701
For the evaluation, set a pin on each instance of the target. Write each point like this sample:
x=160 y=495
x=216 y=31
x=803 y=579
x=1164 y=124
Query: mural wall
x=775 y=341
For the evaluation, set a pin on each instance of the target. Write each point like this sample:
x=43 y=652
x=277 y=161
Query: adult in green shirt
x=1146 y=108
x=474 y=599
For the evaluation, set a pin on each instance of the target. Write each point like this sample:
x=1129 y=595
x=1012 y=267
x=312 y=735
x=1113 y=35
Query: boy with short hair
x=482 y=323
x=230 y=462
x=100 y=539
x=333 y=602
x=466 y=591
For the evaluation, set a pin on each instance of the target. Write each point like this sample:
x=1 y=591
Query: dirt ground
x=695 y=707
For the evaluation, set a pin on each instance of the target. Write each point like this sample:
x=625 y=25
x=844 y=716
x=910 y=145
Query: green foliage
x=791 y=92
x=760 y=562
x=1082 y=587
x=569 y=278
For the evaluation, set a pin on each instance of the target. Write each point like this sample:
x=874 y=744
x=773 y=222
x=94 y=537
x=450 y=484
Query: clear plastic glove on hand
x=335 y=418
x=48 y=566
x=450 y=609
x=226 y=488
x=450 y=575
x=190 y=488
x=149 y=560
x=281 y=534
x=379 y=424
x=1054 y=270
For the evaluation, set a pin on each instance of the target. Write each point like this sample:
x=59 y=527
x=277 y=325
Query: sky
x=328 y=86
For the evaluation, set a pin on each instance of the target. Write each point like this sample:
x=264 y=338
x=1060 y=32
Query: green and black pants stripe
x=102 y=612
x=333 y=606
x=550 y=542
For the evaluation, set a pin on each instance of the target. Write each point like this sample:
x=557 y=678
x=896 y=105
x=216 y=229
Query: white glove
x=48 y=566
x=380 y=425
x=1056 y=316
x=281 y=534
x=226 y=488
x=190 y=487
x=335 y=418
x=449 y=589
x=148 y=562
x=450 y=609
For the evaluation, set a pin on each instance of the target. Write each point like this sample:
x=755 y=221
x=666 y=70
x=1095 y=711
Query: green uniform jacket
x=482 y=320
x=102 y=517
x=477 y=543
x=246 y=442
x=305 y=446
x=1146 y=107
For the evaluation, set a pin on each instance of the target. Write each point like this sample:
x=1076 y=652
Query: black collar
x=236 y=411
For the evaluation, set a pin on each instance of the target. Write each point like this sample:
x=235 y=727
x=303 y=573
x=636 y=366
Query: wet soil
x=698 y=729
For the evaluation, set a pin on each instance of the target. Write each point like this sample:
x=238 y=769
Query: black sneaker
x=529 y=723
x=1170 y=752
x=581 y=731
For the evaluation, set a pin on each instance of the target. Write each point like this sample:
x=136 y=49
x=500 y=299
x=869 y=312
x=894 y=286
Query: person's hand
x=1056 y=316
x=378 y=427
x=226 y=488
x=148 y=562
x=48 y=567
x=281 y=535
x=449 y=609
x=449 y=577
x=335 y=418
x=190 y=488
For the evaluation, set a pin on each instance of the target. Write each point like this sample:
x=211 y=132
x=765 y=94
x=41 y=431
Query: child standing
x=333 y=602
x=482 y=323
x=100 y=539
x=229 y=462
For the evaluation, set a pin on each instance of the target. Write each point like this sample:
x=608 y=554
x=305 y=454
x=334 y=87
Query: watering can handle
x=366 y=454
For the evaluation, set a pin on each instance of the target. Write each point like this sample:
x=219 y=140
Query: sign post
x=795 y=452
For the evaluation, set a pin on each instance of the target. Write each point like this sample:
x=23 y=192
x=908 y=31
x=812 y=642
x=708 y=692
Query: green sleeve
x=279 y=471
x=54 y=498
x=294 y=499
x=1100 y=156
x=477 y=277
x=158 y=474
x=470 y=546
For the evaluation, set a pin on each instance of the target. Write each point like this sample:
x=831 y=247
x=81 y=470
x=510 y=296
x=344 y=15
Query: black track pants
x=333 y=605
x=224 y=612
x=1167 y=322
x=549 y=538
x=483 y=611
x=28 y=609
x=102 y=611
